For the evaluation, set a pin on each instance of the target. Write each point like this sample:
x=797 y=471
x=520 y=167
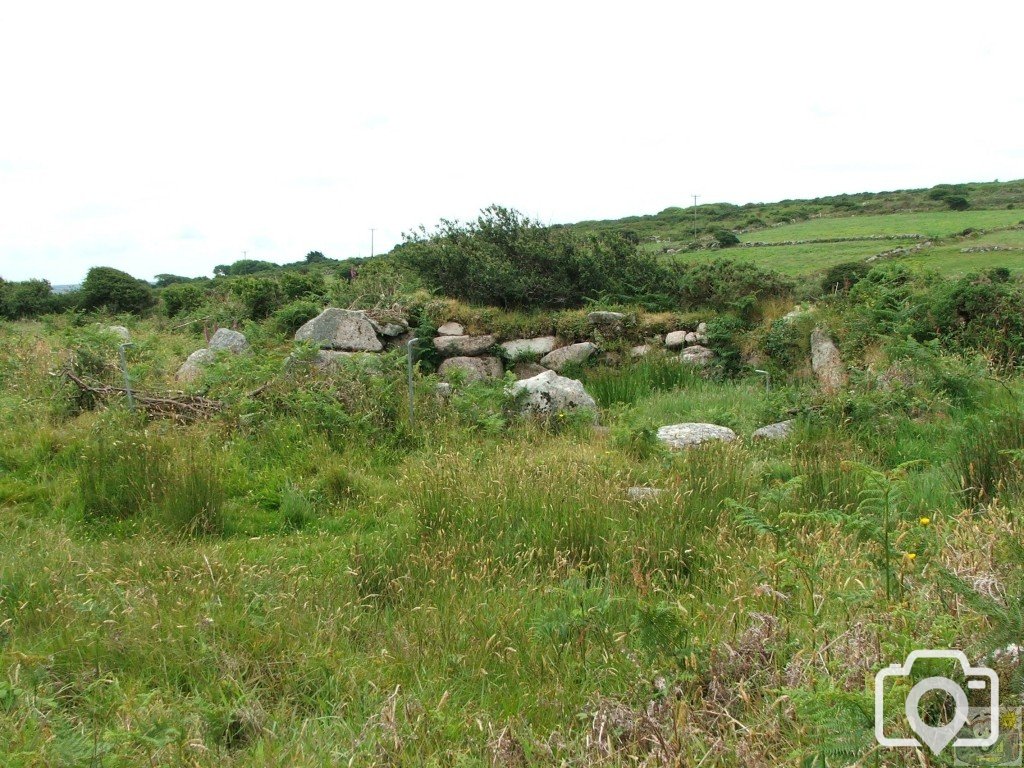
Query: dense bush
x=842 y=277
x=505 y=259
x=291 y=317
x=724 y=285
x=260 y=296
x=943 y=191
x=725 y=238
x=163 y=280
x=725 y=334
x=116 y=291
x=30 y=298
x=971 y=313
x=181 y=298
x=958 y=203
x=298 y=285
x=244 y=267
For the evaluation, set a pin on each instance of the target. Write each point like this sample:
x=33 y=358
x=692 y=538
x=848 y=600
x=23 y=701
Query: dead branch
x=178 y=406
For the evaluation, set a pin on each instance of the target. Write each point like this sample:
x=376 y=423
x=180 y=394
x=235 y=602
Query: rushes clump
x=126 y=471
x=987 y=459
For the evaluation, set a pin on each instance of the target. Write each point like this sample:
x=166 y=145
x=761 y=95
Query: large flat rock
x=547 y=394
x=689 y=434
x=520 y=347
x=557 y=359
x=475 y=368
x=343 y=329
x=463 y=346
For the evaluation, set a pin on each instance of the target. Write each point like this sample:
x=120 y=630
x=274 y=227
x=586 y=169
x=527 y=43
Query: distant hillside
x=679 y=223
x=952 y=228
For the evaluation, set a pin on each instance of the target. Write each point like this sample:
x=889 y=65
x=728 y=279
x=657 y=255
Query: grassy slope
x=908 y=212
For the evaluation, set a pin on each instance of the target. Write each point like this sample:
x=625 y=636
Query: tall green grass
x=652 y=373
x=126 y=471
x=988 y=460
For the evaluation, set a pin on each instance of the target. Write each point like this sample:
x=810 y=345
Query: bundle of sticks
x=177 y=405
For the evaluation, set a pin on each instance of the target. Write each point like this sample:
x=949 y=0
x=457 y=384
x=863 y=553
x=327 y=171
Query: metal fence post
x=124 y=370
x=410 y=353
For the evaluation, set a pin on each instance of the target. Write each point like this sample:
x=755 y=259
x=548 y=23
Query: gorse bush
x=723 y=285
x=842 y=277
x=507 y=260
x=260 y=296
x=289 y=318
x=115 y=291
x=182 y=298
x=30 y=298
x=726 y=238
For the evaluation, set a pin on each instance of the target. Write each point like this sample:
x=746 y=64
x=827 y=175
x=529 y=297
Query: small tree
x=958 y=203
x=116 y=291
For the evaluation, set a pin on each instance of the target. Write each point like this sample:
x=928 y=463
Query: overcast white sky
x=172 y=137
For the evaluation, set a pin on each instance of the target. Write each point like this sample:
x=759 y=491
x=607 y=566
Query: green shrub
x=505 y=259
x=115 y=291
x=244 y=267
x=842 y=277
x=296 y=285
x=164 y=279
x=725 y=285
x=30 y=298
x=786 y=343
x=182 y=298
x=289 y=318
x=725 y=335
x=944 y=191
x=957 y=203
x=726 y=238
x=260 y=296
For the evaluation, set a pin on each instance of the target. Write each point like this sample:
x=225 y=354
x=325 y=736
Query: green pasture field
x=933 y=224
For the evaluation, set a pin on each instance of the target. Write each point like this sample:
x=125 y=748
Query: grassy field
x=794 y=259
x=307 y=576
x=932 y=224
x=943 y=254
x=310 y=579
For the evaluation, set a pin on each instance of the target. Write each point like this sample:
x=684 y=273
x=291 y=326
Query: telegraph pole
x=372 y=230
x=695 y=217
